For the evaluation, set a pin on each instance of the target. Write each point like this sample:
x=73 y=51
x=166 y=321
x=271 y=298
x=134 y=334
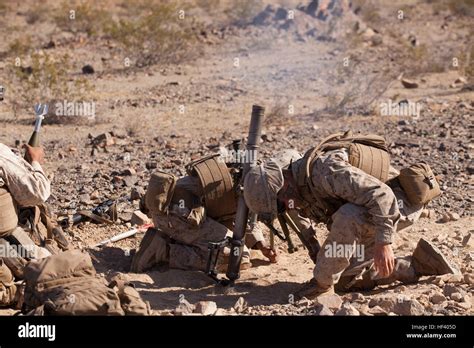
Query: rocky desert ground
x=169 y=82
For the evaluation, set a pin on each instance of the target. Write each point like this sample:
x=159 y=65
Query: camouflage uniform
x=26 y=182
x=364 y=211
x=29 y=186
x=190 y=230
x=358 y=209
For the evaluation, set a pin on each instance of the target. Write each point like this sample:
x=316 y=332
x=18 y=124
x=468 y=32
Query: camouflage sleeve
x=334 y=177
x=26 y=182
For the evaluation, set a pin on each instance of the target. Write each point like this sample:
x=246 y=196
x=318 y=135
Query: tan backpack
x=419 y=183
x=159 y=192
x=366 y=152
x=217 y=185
x=66 y=284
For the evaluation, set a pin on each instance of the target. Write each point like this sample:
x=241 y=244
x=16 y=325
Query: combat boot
x=427 y=259
x=311 y=290
x=153 y=250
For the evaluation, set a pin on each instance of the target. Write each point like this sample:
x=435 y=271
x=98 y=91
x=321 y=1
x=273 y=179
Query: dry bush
x=38 y=12
x=20 y=46
x=84 y=17
x=134 y=128
x=280 y=113
x=469 y=65
x=462 y=7
x=360 y=90
x=157 y=35
x=3 y=7
x=243 y=11
x=368 y=10
x=46 y=78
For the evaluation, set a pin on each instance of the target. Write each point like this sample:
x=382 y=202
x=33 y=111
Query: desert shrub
x=82 y=17
x=20 y=46
x=277 y=113
x=469 y=65
x=159 y=34
x=3 y=6
x=44 y=79
x=242 y=12
x=37 y=12
x=462 y=7
x=368 y=10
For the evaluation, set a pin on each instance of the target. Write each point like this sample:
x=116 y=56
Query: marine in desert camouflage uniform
x=359 y=210
x=182 y=235
x=28 y=186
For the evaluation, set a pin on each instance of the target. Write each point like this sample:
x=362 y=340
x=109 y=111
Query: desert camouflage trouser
x=189 y=247
x=7 y=287
x=346 y=257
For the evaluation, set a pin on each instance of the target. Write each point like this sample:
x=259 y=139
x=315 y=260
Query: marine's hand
x=269 y=253
x=34 y=154
x=384 y=260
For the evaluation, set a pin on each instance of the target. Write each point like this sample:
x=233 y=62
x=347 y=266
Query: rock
x=323 y=310
x=332 y=301
x=221 y=312
x=376 y=39
x=438 y=281
x=441 y=237
x=85 y=198
x=449 y=289
x=456 y=296
x=409 y=83
x=88 y=69
x=137 y=193
x=206 y=307
x=281 y=13
x=452 y=278
x=151 y=165
x=95 y=195
x=139 y=218
x=377 y=310
x=386 y=302
x=184 y=308
x=368 y=34
x=304 y=302
x=469 y=278
x=428 y=214
x=454 y=216
x=129 y=171
x=399 y=304
x=437 y=298
x=241 y=305
x=464 y=305
x=355 y=297
x=347 y=309
x=103 y=140
x=130 y=180
x=409 y=307
x=444 y=218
